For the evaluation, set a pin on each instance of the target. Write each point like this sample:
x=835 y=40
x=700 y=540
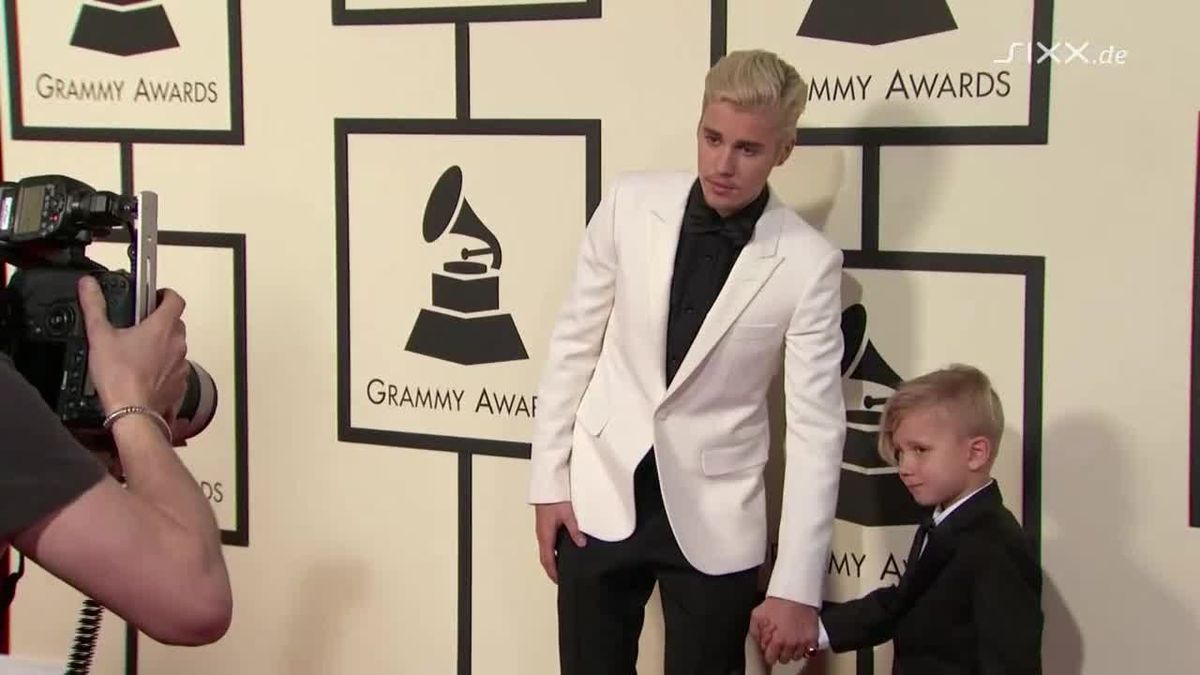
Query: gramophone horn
x=860 y=356
x=440 y=209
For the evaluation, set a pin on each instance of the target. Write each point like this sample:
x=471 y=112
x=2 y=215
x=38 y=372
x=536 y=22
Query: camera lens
x=60 y=320
x=199 y=403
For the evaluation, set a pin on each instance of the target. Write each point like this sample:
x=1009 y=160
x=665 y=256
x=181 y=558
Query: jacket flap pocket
x=593 y=412
x=743 y=331
x=718 y=461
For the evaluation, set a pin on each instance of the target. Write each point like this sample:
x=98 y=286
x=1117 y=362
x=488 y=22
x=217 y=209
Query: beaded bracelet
x=142 y=410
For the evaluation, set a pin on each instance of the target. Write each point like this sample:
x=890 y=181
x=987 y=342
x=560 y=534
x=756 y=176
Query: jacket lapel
x=662 y=238
x=751 y=270
x=920 y=574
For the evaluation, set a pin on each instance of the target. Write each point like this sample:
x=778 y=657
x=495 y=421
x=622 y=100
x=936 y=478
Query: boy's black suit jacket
x=971 y=603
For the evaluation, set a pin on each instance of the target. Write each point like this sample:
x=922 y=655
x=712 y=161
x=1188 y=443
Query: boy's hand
x=786 y=631
x=761 y=631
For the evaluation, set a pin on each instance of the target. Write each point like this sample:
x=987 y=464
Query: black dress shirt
x=708 y=247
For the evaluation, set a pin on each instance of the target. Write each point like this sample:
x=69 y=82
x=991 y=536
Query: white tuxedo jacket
x=603 y=403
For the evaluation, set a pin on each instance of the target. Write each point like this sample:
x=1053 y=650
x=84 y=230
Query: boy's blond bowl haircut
x=964 y=392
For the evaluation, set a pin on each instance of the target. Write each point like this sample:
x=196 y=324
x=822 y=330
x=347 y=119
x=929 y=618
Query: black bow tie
x=735 y=229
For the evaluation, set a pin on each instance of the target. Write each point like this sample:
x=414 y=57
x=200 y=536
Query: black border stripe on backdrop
x=125 y=154
x=462 y=70
x=549 y=11
x=466 y=547
x=1033 y=269
x=1032 y=133
x=464 y=623
x=869 y=238
x=131 y=650
x=1194 y=399
x=234 y=135
x=589 y=130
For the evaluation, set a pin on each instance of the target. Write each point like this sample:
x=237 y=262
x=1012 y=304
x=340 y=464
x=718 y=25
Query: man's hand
x=141 y=365
x=549 y=518
x=785 y=630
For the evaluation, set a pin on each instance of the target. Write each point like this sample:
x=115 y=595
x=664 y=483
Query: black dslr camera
x=46 y=224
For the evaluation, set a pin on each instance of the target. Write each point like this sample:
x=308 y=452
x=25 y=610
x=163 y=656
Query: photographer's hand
x=141 y=365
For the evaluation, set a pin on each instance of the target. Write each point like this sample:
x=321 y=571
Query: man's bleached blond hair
x=756 y=79
x=963 y=392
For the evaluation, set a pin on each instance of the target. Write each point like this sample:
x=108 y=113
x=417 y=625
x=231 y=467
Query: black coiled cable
x=86 y=632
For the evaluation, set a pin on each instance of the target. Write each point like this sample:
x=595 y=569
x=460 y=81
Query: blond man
x=691 y=290
x=969 y=600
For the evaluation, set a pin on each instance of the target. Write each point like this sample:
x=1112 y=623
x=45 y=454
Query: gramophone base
x=136 y=31
x=467 y=341
x=877 y=499
x=875 y=22
x=862 y=449
x=466 y=295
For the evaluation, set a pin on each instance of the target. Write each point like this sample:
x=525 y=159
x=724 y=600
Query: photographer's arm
x=150 y=552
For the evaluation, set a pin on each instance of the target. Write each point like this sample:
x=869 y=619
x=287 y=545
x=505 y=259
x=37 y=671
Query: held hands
x=785 y=630
x=140 y=365
x=549 y=518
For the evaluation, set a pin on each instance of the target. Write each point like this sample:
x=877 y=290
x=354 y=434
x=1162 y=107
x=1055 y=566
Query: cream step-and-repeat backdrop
x=373 y=207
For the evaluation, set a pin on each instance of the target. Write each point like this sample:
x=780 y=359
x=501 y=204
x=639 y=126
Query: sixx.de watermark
x=1083 y=53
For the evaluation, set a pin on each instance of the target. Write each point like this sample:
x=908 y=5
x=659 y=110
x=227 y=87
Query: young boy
x=969 y=600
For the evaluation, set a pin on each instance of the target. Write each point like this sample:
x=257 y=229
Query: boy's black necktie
x=923 y=529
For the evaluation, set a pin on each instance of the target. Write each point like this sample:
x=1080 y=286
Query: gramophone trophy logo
x=870 y=493
x=875 y=22
x=465 y=324
x=474 y=267
x=124 y=27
